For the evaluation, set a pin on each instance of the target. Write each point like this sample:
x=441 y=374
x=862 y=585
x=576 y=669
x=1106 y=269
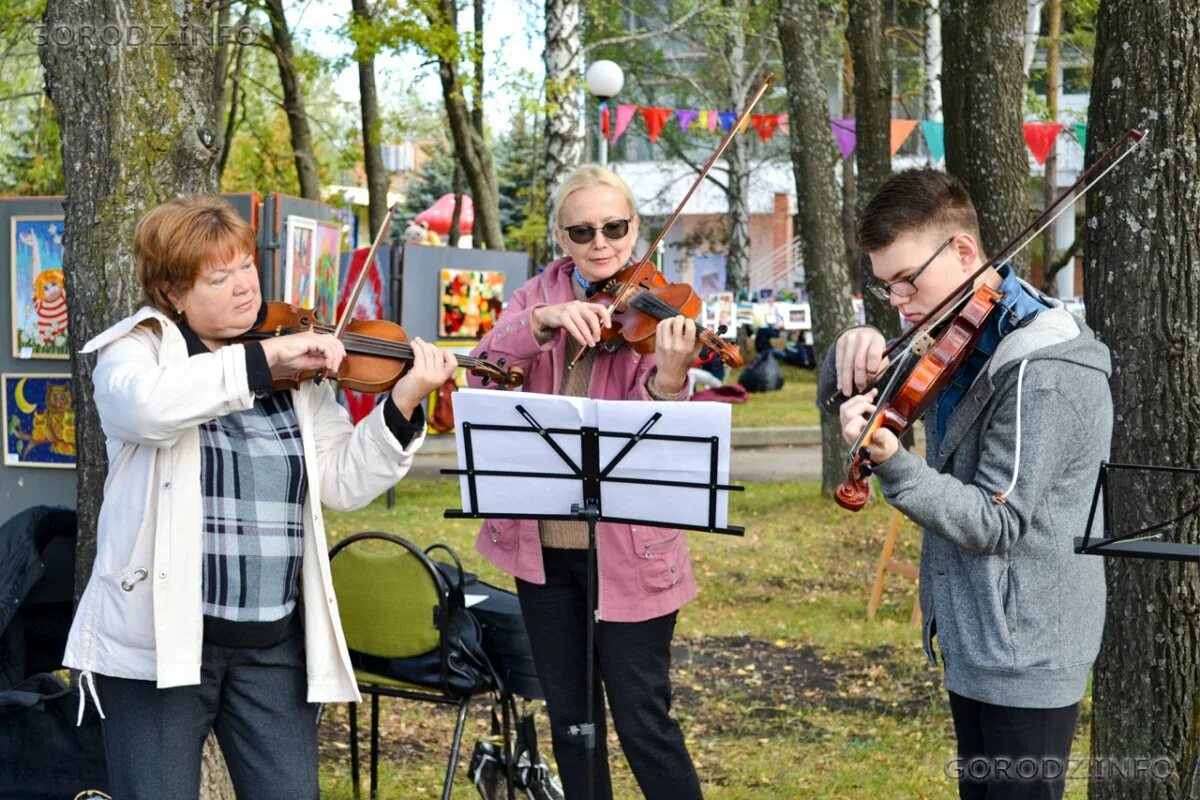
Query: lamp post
x=604 y=80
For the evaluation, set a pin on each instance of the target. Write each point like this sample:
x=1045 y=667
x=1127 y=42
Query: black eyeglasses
x=905 y=287
x=582 y=234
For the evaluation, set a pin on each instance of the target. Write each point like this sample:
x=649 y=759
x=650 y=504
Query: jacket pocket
x=126 y=608
x=504 y=533
x=660 y=563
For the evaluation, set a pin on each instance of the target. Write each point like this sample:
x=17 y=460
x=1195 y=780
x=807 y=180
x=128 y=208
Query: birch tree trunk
x=983 y=88
x=141 y=131
x=737 y=156
x=931 y=50
x=1142 y=290
x=826 y=276
x=563 y=58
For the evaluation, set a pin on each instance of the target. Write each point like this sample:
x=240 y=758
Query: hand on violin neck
x=859 y=358
x=430 y=368
x=676 y=346
x=303 y=351
x=854 y=416
x=583 y=321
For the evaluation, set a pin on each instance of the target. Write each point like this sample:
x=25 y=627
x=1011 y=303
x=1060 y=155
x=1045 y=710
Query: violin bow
x=625 y=291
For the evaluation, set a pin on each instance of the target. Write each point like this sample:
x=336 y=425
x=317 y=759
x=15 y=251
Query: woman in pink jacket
x=644 y=572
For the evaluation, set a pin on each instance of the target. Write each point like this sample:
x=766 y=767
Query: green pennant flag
x=1081 y=133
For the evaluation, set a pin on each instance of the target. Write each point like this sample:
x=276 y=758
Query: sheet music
x=521 y=451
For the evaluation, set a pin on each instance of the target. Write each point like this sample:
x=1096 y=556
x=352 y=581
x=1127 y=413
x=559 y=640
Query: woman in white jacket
x=210 y=606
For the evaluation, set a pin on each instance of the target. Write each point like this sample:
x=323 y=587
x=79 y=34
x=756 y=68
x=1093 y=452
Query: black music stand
x=591 y=476
x=1143 y=542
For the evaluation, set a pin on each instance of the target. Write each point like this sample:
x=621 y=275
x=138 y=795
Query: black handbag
x=459 y=665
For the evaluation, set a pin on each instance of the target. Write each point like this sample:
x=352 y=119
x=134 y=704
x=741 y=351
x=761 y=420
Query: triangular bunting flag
x=935 y=139
x=783 y=123
x=655 y=119
x=844 y=133
x=901 y=130
x=727 y=119
x=624 y=115
x=765 y=124
x=1080 y=129
x=713 y=120
x=685 y=116
x=1039 y=137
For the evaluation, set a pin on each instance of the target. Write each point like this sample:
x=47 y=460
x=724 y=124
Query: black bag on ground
x=466 y=669
x=763 y=374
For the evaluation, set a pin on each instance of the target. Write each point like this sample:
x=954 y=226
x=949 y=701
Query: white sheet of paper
x=473 y=599
x=520 y=451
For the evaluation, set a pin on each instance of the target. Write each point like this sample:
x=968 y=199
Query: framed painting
x=470 y=303
x=39 y=421
x=328 y=256
x=299 y=258
x=39 y=296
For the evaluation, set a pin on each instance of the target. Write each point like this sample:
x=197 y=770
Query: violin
x=960 y=319
x=640 y=297
x=652 y=300
x=377 y=352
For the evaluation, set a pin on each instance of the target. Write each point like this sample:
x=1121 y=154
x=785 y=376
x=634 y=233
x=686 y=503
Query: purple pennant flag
x=845 y=134
x=686 y=117
x=727 y=119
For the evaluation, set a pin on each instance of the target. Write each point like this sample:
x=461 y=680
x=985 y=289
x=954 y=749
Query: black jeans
x=1008 y=753
x=633 y=662
x=255 y=700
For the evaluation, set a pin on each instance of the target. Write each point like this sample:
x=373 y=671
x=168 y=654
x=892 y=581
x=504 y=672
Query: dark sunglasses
x=582 y=234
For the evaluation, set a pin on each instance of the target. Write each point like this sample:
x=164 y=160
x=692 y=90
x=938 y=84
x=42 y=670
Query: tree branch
x=639 y=37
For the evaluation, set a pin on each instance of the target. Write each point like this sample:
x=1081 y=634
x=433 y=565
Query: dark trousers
x=633 y=663
x=1007 y=753
x=255 y=700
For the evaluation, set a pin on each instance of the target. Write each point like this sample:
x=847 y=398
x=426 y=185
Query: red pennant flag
x=604 y=129
x=655 y=119
x=766 y=125
x=1039 y=138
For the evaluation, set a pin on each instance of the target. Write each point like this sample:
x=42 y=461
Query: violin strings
x=372 y=345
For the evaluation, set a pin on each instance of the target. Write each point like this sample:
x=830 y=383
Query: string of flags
x=614 y=122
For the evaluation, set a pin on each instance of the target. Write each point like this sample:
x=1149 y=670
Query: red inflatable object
x=438 y=215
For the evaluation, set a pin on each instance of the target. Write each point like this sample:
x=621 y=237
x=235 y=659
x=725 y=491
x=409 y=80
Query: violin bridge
x=921 y=343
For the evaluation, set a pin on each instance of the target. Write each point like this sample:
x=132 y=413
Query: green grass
x=792 y=405
x=783 y=688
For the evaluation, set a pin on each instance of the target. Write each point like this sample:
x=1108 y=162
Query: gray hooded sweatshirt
x=1017 y=614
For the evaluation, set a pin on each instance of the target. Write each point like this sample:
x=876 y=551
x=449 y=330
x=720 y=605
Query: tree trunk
x=1142 y=291
x=873 y=115
x=473 y=152
x=849 y=179
x=826 y=276
x=377 y=178
x=1053 y=85
x=737 y=157
x=563 y=57
x=983 y=87
x=293 y=103
x=932 y=52
x=140 y=132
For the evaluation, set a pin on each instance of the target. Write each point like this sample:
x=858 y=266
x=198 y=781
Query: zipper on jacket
x=656 y=542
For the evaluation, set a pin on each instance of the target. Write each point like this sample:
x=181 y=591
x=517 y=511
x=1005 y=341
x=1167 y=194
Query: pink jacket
x=644 y=571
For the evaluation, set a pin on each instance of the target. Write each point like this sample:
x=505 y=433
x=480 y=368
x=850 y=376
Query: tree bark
x=563 y=131
x=377 y=178
x=826 y=276
x=849 y=179
x=293 y=103
x=473 y=152
x=141 y=131
x=1033 y=24
x=932 y=53
x=737 y=156
x=983 y=88
x=1142 y=291
x=1053 y=85
x=873 y=126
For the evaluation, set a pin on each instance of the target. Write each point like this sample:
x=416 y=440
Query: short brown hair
x=175 y=241
x=915 y=200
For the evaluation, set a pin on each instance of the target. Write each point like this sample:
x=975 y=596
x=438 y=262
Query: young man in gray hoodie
x=1012 y=449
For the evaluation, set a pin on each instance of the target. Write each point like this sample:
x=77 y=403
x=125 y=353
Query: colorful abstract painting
x=329 y=253
x=39 y=421
x=298 y=284
x=471 y=303
x=39 y=297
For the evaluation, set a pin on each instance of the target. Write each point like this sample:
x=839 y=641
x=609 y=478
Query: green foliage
x=522 y=188
x=31 y=153
x=434 y=179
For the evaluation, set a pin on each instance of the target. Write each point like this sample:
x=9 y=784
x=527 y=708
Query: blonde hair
x=44 y=277
x=175 y=241
x=585 y=177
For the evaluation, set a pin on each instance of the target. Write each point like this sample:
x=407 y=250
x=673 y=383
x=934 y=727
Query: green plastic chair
x=391 y=598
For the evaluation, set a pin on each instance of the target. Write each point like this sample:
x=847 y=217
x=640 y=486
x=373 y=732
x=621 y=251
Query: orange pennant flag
x=901 y=129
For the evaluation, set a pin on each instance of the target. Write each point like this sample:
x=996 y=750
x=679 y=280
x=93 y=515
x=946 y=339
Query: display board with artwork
x=470 y=303
x=327 y=254
x=39 y=297
x=299 y=286
x=39 y=420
